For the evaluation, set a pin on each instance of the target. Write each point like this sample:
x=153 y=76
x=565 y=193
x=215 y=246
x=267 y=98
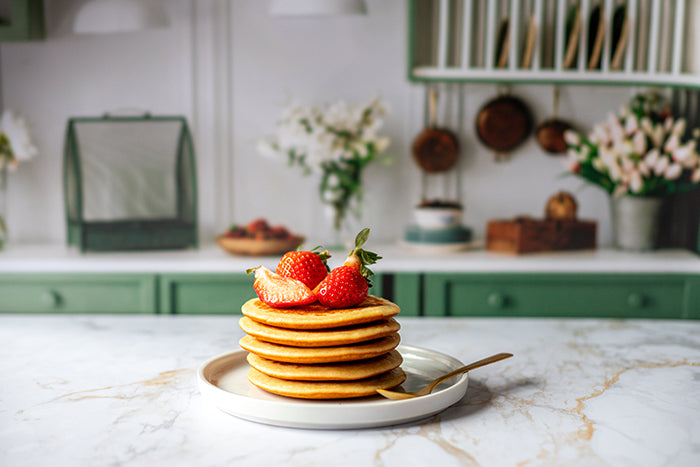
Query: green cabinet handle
x=51 y=299
x=496 y=300
x=636 y=300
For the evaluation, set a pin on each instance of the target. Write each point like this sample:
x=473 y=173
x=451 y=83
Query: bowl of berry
x=258 y=238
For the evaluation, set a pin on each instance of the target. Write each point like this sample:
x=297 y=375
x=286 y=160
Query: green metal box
x=130 y=183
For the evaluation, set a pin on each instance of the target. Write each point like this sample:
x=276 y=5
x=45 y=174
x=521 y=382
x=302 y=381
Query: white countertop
x=395 y=258
x=121 y=390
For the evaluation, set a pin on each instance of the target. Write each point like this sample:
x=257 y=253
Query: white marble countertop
x=121 y=390
x=19 y=258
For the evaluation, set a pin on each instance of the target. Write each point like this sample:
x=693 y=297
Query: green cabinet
x=204 y=293
x=25 y=21
x=78 y=293
x=562 y=295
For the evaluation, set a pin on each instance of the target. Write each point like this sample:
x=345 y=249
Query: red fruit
x=281 y=292
x=305 y=266
x=258 y=225
x=344 y=287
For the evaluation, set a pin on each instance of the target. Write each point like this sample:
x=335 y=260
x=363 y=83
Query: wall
x=229 y=67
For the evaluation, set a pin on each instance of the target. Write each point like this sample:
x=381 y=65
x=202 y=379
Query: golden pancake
x=343 y=353
x=317 y=316
x=327 y=389
x=319 y=337
x=347 y=371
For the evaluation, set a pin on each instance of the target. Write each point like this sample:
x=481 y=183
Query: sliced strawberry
x=308 y=267
x=280 y=292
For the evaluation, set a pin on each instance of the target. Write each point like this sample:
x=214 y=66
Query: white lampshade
x=108 y=16
x=317 y=7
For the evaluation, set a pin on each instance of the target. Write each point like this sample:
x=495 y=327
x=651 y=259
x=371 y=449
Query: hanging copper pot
x=504 y=123
x=435 y=149
x=550 y=133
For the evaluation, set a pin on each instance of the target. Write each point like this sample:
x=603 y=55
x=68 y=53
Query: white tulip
x=600 y=166
x=572 y=138
x=673 y=171
x=620 y=190
x=636 y=182
x=672 y=143
x=668 y=124
x=644 y=168
x=695 y=176
x=661 y=165
x=657 y=136
x=627 y=164
x=679 y=127
x=639 y=140
x=17 y=132
x=631 y=124
x=652 y=157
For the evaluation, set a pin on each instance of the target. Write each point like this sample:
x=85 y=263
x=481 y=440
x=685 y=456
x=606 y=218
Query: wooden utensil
x=550 y=133
x=503 y=123
x=395 y=395
x=619 y=36
x=529 y=43
x=574 y=24
x=596 y=33
x=435 y=149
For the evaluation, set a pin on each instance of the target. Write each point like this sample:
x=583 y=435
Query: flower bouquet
x=642 y=151
x=337 y=142
x=639 y=156
x=15 y=147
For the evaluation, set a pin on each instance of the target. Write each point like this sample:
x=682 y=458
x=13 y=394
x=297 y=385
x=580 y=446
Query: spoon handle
x=466 y=368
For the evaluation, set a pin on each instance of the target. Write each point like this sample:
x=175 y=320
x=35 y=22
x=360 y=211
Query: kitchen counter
x=115 y=390
x=18 y=258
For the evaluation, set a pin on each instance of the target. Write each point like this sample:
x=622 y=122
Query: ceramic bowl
x=437 y=217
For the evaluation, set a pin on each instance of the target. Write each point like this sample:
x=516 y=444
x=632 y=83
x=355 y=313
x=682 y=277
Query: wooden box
x=525 y=235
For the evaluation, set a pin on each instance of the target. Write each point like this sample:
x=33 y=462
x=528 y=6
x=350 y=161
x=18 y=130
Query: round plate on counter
x=223 y=381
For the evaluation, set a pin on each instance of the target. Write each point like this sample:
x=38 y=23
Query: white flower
x=652 y=157
x=639 y=140
x=600 y=166
x=668 y=124
x=684 y=154
x=679 y=127
x=644 y=168
x=572 y=138
x=695 y=176
x=657 y=136
x=672 y=143
x=636 y=182
x=673 y=171
x=631 y=124
x=661 y=165
x=17 y=133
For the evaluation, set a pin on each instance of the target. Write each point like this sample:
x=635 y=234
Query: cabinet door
x=25 y=21
x=557 y=295
x=205 y=293
x=78 y=293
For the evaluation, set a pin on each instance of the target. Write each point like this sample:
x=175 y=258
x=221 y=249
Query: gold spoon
x=429 y=388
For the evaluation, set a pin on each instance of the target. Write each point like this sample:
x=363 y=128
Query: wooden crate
x=525 y=235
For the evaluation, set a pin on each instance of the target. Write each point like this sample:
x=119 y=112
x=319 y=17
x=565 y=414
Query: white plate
x=223 y=381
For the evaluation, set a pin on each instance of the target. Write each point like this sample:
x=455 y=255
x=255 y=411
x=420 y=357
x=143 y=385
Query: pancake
x=319 y=337
x=343 y=353
x=327 y=389
x=348 y=371
x=317 y=316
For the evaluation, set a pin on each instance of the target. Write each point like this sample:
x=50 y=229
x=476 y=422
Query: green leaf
x=361 y=237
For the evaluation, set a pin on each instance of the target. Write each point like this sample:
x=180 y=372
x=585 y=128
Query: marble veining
x=121 y=390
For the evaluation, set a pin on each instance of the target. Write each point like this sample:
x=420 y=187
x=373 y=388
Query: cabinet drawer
x=564 y=295
x=78 y=293
x=205 y=293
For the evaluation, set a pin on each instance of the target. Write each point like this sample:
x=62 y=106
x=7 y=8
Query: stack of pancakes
x=314 y=352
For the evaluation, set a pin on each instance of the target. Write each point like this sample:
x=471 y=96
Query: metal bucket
x=635 y=222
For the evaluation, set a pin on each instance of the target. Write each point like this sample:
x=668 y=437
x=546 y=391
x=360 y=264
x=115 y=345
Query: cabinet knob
x=496 y=300
x=636 y=300
x=51 y=299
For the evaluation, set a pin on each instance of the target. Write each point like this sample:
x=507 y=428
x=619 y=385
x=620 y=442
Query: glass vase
x=635 y=222
x=341 y=227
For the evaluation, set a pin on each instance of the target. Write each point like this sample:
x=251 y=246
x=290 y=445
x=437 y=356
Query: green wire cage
x=130 y=183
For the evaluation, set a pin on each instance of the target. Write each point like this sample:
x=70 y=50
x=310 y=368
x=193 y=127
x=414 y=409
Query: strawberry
x=348 y=285
x=308 y=267
x=278 y=291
